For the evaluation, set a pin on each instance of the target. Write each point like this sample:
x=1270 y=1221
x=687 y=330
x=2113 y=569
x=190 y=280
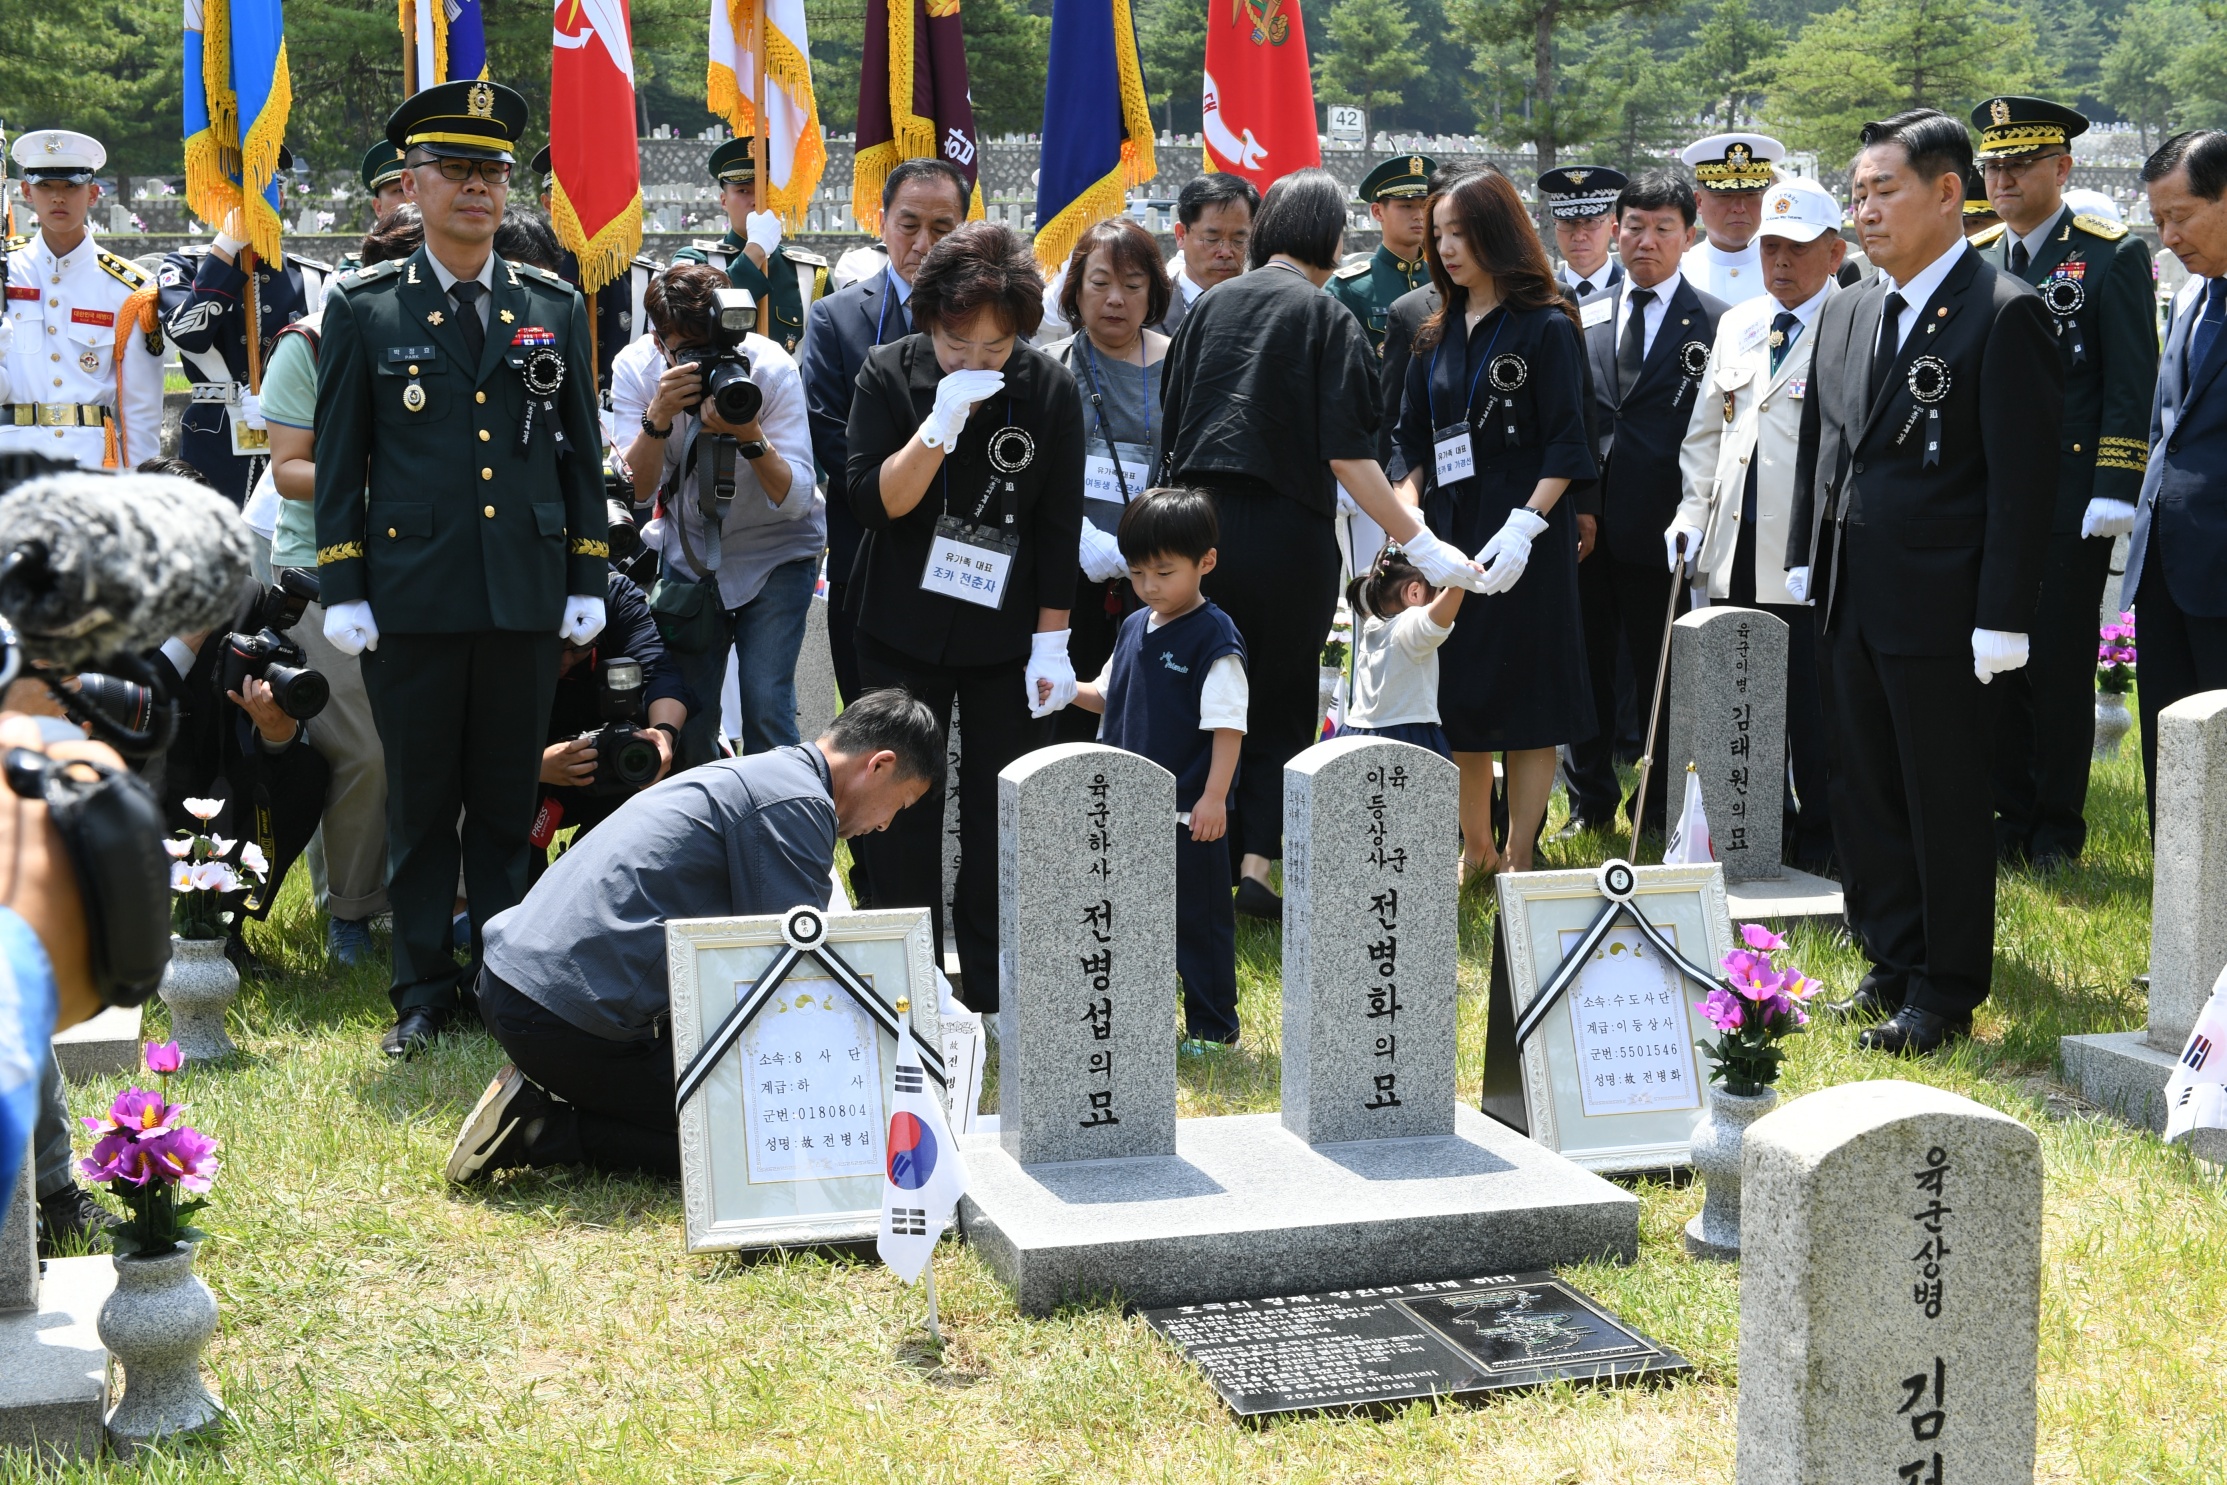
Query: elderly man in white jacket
x=1738 y=469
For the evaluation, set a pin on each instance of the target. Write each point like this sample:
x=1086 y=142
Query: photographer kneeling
x=574 y=985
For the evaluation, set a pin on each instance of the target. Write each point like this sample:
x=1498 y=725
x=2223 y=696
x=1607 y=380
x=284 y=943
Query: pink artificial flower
x=164 y=1057
x=1723 y=1010
x=186 y=1156
x=1761 y=939
x=137 y=1114
x=119 y=1157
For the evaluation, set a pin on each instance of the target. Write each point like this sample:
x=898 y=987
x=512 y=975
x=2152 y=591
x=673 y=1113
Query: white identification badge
x=969 y=563
x=1598 y=312
x=1101 y=481
x=1456 y=460
x=1754 y=334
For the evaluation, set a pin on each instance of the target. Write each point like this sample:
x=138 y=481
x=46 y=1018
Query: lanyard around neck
x=987 y=490
x=1430 y=385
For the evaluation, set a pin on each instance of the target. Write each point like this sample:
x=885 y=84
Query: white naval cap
x=1733 y=162
x=2094 y=204
x=58 y=154
x=1799 y=210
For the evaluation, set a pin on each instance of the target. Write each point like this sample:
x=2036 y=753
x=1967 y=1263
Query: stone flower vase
x=197 y=986
x=2112 y=723
x=1715 y=1232
x=156 y=1323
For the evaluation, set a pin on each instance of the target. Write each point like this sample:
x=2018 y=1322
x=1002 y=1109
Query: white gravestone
x=1728 y=719
x=1890 y=1291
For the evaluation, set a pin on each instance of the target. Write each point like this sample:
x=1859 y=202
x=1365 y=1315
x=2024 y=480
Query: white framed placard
x=1609 y=1075
x=782 y=1140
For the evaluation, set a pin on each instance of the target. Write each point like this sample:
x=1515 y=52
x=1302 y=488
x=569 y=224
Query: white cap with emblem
x=59 y=154
x=1799 y=210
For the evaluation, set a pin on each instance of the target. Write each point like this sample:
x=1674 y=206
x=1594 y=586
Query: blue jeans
x=767 y=633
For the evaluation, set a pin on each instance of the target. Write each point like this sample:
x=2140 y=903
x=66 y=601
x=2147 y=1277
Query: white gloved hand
x=1442 y=565
x=1797 y=584
x=1691 y=535
x=230 y=246
x=1347 y=505
x=2106 y=518
x=350 y=629
x=1995 y=651
x=1509 y=552
x=956 y=396
x=583 y=618
x=1100 y=556
x=763 y=229
x=1047 y=661
x=251 y=410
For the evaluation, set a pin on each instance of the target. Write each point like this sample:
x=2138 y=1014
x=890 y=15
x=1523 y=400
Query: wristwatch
x=754 y=448
x=653 y=430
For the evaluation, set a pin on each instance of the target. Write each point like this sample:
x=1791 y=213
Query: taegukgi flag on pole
x=1259 y=100
x=1689 y=843
x=922 y=1174
x=796 y=148
x=2196 y=1093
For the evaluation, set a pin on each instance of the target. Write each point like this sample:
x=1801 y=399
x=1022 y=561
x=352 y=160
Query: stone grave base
x=106 y=1046
x=1781 y=901
x=2120 y=1071
x=53 y=1368
x=1245 y=1209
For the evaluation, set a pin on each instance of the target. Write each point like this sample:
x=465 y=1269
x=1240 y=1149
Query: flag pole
x=410 y=51
x=1655 y=711
x=254 y=323
x=935 y=1332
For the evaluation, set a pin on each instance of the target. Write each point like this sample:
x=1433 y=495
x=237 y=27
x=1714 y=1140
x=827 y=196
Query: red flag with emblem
x=1259 y=103
x=595 y=199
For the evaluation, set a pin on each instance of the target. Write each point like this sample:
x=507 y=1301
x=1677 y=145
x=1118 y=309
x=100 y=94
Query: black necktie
x=1890 y=344
x=1631 y=352
x=2205 y=332
x=1785 y=330
x=466 y=292
x=2019 y=258
x=1584 y=287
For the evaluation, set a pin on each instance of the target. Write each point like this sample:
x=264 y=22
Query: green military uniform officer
x=791 y=278
x=460 y=528
x=2095 y=278
x=1395 y=190
x=385 y=179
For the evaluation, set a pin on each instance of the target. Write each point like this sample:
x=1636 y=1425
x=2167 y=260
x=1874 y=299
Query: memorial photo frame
x=814 y=996
x=1592 y=1076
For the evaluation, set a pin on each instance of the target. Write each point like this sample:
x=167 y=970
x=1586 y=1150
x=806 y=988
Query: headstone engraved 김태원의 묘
x=1728 y=719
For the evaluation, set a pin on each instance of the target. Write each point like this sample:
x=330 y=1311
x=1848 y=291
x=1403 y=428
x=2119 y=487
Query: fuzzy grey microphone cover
x=135 y=558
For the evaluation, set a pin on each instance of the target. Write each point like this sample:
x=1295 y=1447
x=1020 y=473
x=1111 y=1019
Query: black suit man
x=1647 y=343
x=1923 y=485
x=2176 y=566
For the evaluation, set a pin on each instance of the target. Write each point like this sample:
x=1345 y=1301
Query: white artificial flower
x=178 y=846
x=253 y=861
x=181 y=877
x=214 y=876
x=219 y=846
x=204 y=809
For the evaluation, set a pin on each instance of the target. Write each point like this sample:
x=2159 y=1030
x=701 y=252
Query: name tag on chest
x=969 y=563
x=1457 y=460
x=1596 y=312
x=1103 y=481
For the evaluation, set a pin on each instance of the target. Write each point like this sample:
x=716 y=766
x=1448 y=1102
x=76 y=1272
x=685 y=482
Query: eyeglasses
x=494 y=172
x=2018 y=166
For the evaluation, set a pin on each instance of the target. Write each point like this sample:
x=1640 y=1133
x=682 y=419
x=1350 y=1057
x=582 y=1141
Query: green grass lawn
x=379 y=1326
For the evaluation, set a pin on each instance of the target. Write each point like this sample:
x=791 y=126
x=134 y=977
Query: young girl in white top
x=1402 y=621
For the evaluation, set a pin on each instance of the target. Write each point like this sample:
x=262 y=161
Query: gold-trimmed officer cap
x=1733 y=162
x=1578 y=191
x=1976 y=202
x=1401 y=178
x=382 y=164
x=62 y=155
x=731 y=164
x=2010 y=126
x=470 y=119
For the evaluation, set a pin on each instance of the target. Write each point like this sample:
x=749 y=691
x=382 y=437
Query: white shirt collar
x=1806 y=311
x=2037 y=239
x=1663 y=291
x=1185 y=286
x=82 y=252
x=1919 y=292
x=1598 y=279
x=447 y=280
x=898 y=286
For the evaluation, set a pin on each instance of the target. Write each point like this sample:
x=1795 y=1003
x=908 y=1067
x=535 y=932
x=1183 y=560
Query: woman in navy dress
x=1493 y=426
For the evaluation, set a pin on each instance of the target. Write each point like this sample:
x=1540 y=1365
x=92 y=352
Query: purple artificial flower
x=137 y=1114
x=184 y=1155
x=119 y=1157
x=1723 y=1010
x=164 y=1057
x=1761 y=939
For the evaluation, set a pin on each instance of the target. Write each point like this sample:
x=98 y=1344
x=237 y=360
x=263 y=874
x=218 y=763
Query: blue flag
x=237 y=97
x=1097 y=125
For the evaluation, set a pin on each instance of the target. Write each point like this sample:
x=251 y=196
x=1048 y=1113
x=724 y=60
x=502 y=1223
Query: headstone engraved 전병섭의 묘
x=1728 y=719
x=1369 y=941
x=1086 y=954
x=1890 y=1291
x=812 y=1094
x=1634 y=1048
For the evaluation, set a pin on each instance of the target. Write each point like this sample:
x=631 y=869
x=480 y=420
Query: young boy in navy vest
x=1175 y=692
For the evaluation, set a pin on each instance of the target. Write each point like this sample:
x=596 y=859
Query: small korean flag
x=2196 y=1094
x=1689 y=843
x=924 y=1175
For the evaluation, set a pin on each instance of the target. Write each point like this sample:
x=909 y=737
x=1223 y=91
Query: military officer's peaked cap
x=381 y=163
x=1401 y=178
x=468 y=120
x=731 y=164
x=2011 y=126
x=1733 y=162
x=1576 y=191
x=59 y=155
x=540 y=165
x=1977 y=203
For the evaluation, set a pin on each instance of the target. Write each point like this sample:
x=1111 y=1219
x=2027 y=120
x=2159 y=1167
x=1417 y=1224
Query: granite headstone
x=1086 y=955
x=1369 y=941
x=19 y=1244
x=1728 y=719
x=1890 y=1290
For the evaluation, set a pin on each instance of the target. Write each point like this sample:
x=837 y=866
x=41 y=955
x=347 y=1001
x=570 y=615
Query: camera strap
x=715 y=494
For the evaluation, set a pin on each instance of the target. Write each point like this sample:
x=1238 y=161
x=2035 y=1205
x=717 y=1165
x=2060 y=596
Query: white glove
x=1691 y=535
x=1101 y=556
x=2106 y=518
x=1047 y=661
x=1995 y=651
x=251 y=410
x=1797 y=584
x=1347 y=505
x=583 y=618
x=230 y=246
x=763 y=229
x=350 y=629
x=1509 y=552
x=956 y=396
x=1440 y=564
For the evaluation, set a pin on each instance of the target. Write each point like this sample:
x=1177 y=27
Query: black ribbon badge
x=1693 y=360
x=543 y=374
x=2064 y=297
x=1507 y=373
x=1929 y=385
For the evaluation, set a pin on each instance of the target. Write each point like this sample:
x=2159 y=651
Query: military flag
x=1258 y=104
x=447 y=40
x=1097 y=125
x=595 y=190
x=912 y=100
x=796 y=149
x=237 y=96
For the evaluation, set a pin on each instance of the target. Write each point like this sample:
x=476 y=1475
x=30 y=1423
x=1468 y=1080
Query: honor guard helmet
x=2011 y=126
x=382 y=165
x=1733 y=162
x=1574 y=192
x=61 y=155
x=466 y=120
x=1401 y=178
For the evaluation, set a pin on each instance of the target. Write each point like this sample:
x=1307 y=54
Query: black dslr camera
x=624 y=762
x=726 y=370
x=258 y=646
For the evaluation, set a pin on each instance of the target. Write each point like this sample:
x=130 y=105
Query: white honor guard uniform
x=1729 y=164
x=84 y=369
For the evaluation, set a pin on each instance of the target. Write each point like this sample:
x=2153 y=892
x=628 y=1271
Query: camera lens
x=636 y=763
x=300 y=693
x=733 y=393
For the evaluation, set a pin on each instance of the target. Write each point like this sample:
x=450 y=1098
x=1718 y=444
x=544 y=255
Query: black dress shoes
x=1254 y=900
x=413 y=1030
x=1911 y=1032
x=1871 y=1002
